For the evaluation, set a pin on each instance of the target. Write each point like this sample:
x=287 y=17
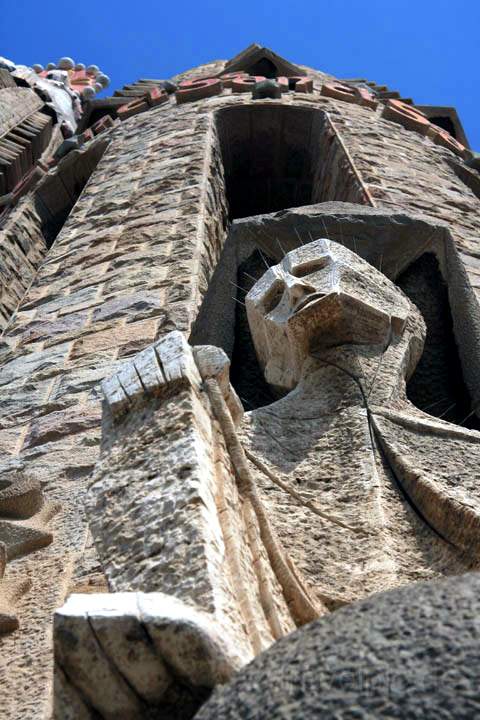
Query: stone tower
x=247 y=247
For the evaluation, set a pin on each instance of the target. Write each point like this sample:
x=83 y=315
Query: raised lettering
x=406 y=115
x=190 y=90
x=349 y=93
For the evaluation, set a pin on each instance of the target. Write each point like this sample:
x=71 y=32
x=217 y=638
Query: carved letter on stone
x=228 y=78
x=246 y=83
x=411 y=118
x=358 y=95
x=190 y=90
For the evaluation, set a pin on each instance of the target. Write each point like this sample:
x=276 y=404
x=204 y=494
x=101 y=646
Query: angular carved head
x=320 y=296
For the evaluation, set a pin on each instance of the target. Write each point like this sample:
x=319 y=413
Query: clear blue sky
x=427 y=49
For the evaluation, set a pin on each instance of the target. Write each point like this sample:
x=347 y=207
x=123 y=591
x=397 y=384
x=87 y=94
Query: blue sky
x=427 y=49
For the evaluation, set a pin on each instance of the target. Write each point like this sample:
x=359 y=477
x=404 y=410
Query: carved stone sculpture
x=24 y=518
x=343 y=340
x=178 y=403
x=344 y=468
x=262 y=521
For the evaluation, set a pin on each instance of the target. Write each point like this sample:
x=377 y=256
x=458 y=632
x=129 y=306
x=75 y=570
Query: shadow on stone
x=410 y=653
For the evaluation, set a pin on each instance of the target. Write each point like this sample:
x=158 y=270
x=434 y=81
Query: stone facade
x=135 y=237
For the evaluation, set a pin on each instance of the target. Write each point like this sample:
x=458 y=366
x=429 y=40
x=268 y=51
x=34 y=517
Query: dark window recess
x=269 y=157
x=57 y=193
x=437 y=385
x=445 y=123
x=101 y=113
x=264 y=67
x=246 y=375
x=276 y=157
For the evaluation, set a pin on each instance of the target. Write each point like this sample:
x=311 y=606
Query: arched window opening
x=437 y=386
x=274 y=158
x=246 y=375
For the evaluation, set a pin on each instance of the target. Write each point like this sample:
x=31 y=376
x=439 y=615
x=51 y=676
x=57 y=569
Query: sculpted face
x=321 y=295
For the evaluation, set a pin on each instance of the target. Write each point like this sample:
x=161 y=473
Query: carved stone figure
x=268 y=519
x=342 y=340
x=218 y=523
x=24 y=518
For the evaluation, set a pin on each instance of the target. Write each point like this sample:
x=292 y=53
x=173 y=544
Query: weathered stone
x=20 y=497
x=158 y=395
x=134 y=653
x=341 y=366
x=133 y=260
x=10 y=593
x=411 y=652
x=62 y=423
x=266 y=89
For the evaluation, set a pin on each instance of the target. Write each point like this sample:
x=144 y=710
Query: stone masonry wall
x=16 y=105
x=406 y=171
x=132 y=263
x=22 y=248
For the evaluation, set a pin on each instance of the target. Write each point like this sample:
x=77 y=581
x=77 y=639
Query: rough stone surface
x=163 y=494
x=21 y=250
x=344 y=492
x=84 y=312
x=150 y=655
x=16 y=105
x=410 y=653
x=134 y=260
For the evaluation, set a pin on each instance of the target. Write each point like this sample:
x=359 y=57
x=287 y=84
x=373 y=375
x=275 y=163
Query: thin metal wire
x=324 y=227
x=250 y=232
x=246 y=402
x=298 y=235
x=281 y=247
x=378 y=366
x=238 y=286
x=447 y=410
x=396 y=273
x=468 y=416
x=263 y=258
x=437 y=402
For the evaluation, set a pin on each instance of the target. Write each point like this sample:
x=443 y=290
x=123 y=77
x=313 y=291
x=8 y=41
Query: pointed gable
x=259 y=60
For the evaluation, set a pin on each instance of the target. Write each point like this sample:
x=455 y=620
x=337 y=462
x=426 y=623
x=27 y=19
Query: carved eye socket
x=273 y=296
x=308 y=268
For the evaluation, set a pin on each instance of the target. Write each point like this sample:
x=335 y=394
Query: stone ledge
x=131 y=654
